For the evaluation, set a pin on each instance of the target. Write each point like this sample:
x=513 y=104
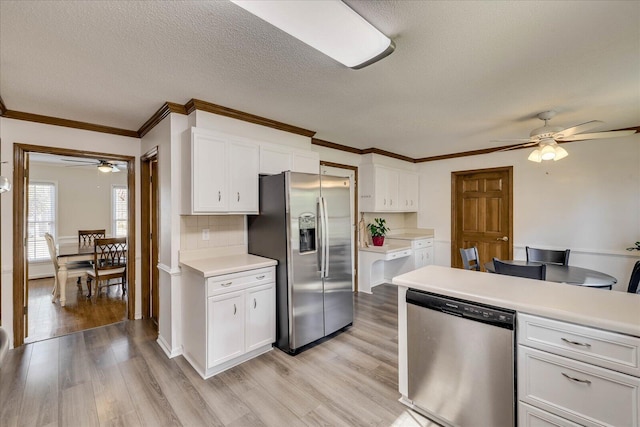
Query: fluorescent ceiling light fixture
x=329 y=26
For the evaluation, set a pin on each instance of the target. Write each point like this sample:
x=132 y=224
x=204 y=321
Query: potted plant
x=378 y=230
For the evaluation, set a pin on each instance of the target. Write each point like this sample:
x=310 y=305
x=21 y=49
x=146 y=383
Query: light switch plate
x=205 y=234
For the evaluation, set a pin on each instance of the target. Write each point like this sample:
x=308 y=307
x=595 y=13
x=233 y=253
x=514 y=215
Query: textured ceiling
x=463 y=73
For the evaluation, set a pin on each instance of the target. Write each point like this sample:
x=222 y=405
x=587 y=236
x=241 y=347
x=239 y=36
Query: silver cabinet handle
x=235 y=309
x=226 y=285
x=219 y=196
x=578 y=380
x=503 y=238
x=583 y=344
x=254 y=303
x=260 y=277
x=238 y=196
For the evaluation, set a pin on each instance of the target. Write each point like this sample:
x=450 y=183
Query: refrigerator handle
x=325 y=236
x=321 y=234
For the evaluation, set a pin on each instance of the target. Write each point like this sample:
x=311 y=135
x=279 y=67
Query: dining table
x=568 y=274
x=69 y=253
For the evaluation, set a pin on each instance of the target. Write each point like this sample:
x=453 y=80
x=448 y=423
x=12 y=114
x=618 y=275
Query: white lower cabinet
x=564 y=375
x=227 y=319
x=422 y=252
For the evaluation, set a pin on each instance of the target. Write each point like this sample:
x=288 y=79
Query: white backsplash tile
x=224 y=230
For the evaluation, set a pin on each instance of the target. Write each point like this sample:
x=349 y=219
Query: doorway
x=22 y=224
x=149 y=221
x=482 y=213
x=337 y=169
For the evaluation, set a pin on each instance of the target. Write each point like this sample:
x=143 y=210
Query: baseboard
x=167 y=349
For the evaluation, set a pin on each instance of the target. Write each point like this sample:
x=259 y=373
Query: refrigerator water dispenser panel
x=307 y=227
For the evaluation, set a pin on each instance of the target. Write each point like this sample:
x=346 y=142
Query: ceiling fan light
x=535 y=156
x=331 y=27
x=561 y=153
x=548 y=152
x=5 y=185
x=105 y=167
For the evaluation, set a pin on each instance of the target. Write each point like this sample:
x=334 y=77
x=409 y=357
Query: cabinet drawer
x=530 y=416
x=602 y=348
x=237 y=281
x=582 y=393
x=399 y=254
x=422 y=243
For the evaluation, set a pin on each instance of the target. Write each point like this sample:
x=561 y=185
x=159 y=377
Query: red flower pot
x=378 y=240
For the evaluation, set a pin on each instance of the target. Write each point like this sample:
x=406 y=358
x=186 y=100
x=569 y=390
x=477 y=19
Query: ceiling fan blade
x=89 y=162
x=598 y=135
x=525 y=140
x=515 y=147
x=576 y=129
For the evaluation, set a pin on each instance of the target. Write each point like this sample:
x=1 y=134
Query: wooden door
x=482 y=213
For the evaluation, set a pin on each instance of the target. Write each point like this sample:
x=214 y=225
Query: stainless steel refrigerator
x=305 y=224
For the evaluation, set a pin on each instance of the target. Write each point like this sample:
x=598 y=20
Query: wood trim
x=355 y=208
x=19 y=151
x=334 y=146
x=3 y=108
x=56 y=121
x=388 y=154
x=196 y=104
x=145 y=225
x=158 y=116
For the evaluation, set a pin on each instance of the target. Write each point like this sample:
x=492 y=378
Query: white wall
x=588 y=202
x=17 y=131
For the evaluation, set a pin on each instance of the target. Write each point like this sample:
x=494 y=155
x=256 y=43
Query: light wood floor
x=118 y=376
x=47 y=319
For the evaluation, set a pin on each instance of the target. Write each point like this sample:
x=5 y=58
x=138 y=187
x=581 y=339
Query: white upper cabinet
x=384 y=189
x=279 y=158
x=220 y=174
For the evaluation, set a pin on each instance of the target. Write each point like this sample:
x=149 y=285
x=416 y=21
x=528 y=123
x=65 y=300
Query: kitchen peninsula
x=577 y=349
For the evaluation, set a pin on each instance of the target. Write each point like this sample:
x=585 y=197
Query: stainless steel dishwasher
x=460 y=361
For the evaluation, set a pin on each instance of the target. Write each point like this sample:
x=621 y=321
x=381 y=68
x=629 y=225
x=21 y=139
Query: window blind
x=41 y=219
x=119 y=204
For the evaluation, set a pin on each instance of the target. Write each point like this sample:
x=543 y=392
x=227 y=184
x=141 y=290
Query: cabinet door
x=225 y=321
x=209 y=174
x=420 y=257
x=412 y=192
x=392 y=190
x=243 y=177
x=261 y=316
x=274 y=160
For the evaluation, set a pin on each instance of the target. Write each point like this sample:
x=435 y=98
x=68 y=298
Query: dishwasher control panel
x=497 y=316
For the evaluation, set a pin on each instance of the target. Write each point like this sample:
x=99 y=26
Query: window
x=119 y=210
x=41 y=219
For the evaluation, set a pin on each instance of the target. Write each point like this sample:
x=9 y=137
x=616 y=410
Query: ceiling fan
x=103 y=165
x=547 y=138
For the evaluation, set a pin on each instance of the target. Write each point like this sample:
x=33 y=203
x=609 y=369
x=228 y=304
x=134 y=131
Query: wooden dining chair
x=528 y=271
x=86 y=239
x=72 y=270
x=109 y=263
x=470 y=259
x=548 y=256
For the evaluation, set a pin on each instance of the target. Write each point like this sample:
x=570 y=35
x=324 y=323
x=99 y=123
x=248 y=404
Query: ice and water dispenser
x=307 y=227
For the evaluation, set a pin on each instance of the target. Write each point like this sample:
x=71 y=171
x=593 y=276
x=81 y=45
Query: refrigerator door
x=338 y=280
x=306 y=304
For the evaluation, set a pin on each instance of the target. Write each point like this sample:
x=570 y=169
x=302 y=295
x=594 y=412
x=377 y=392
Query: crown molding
x=166 y=109
x=333 y=145
x=196 y=104
x=56 y=121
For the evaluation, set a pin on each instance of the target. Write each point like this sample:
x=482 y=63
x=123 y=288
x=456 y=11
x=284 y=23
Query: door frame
x=455 y=176
x=355 y=208
x=19 y=221
x=146 y=223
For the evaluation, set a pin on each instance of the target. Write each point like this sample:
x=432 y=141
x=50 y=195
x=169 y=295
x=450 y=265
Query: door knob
x=503 y=238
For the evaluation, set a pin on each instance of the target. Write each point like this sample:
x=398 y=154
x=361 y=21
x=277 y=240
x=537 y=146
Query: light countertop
x=604 y=309
x=215 y=266
x=411 y=236
x=388 y=248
